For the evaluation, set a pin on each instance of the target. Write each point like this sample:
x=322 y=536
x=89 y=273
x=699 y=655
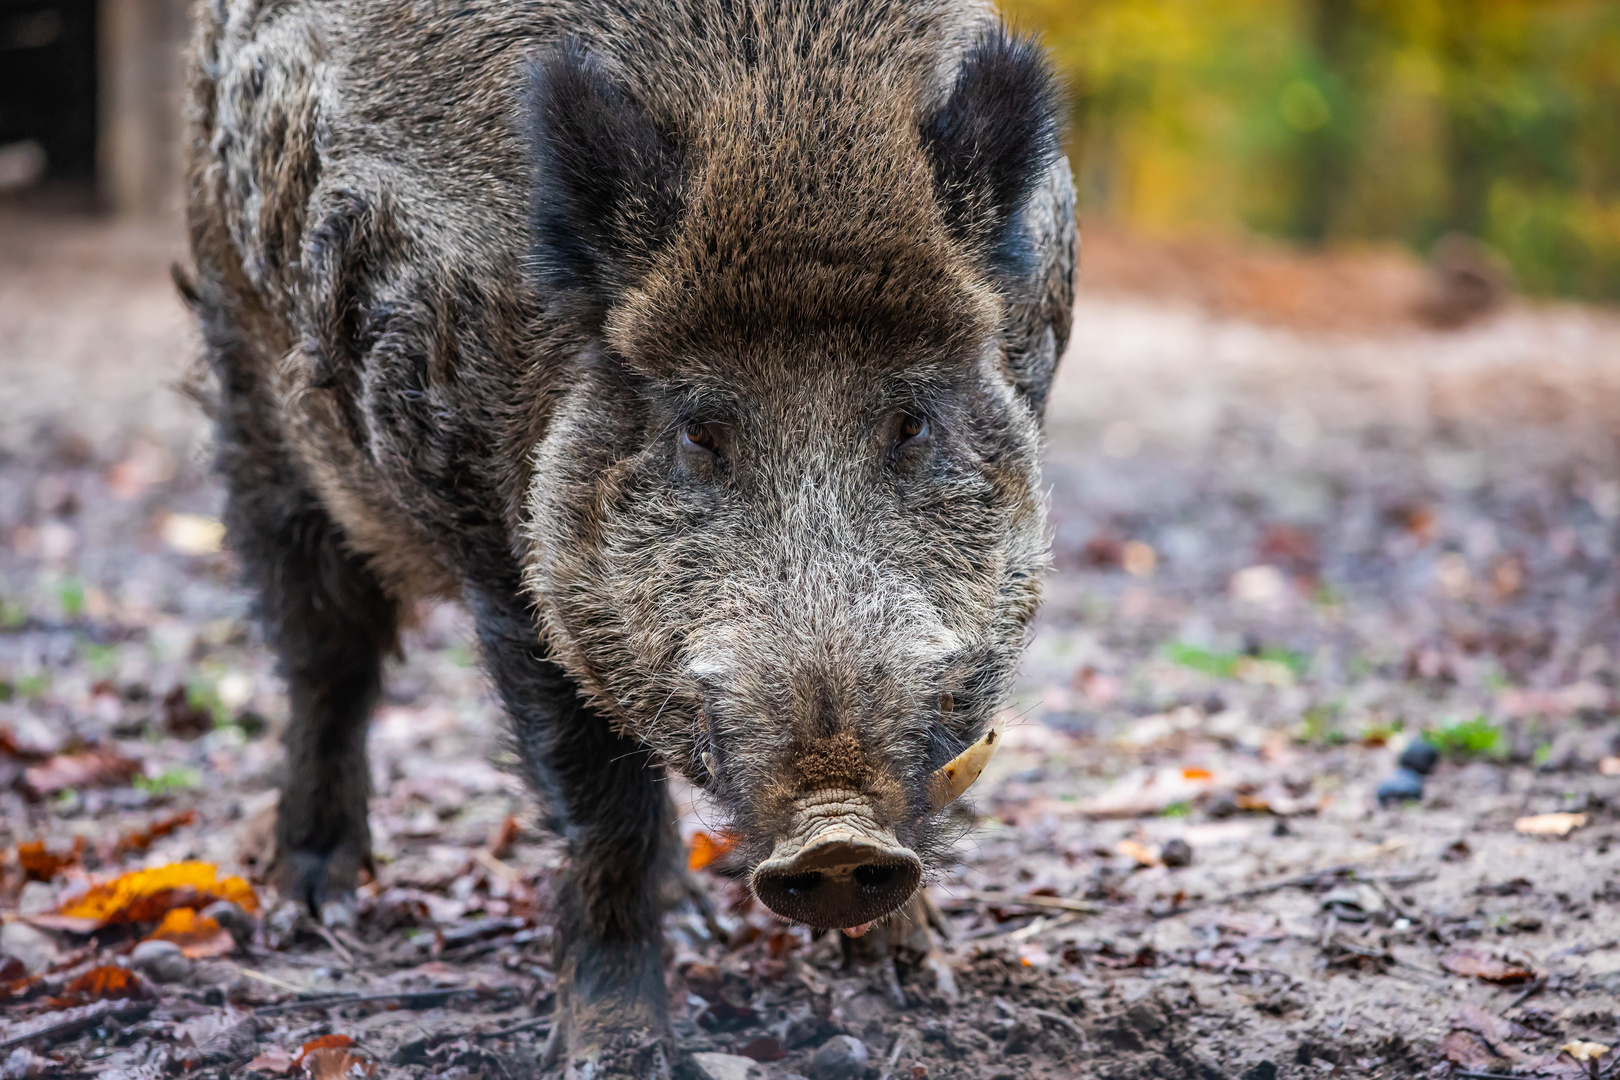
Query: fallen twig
x=122 y=1009
x=415 y=999
x=1056 y=903
x=542 y=1023
x=1310 y=880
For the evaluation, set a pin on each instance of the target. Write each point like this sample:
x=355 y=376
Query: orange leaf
x=100 y=984
x=706 y=849
x=1195 y=773
x=337 y=1063
x=197 y=935
x=148 y=895
x=331 y=1057
x=41 y=864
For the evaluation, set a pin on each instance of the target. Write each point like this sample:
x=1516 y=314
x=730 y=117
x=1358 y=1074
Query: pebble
x=1419 y=756
x=161 y=961
x=1404 y=784
x=726 y=1067
x=1176 y=853
x=34 y=947
x=842 y=1057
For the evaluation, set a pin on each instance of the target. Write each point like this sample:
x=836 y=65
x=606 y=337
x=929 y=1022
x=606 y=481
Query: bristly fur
x=470 y=274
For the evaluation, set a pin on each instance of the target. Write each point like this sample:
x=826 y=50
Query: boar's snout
x=837 y=867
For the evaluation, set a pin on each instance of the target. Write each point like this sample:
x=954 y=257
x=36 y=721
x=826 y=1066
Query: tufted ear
x=607 y=182
x=991 y=143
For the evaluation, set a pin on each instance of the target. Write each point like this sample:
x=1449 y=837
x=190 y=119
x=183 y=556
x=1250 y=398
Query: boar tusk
x=958 y=774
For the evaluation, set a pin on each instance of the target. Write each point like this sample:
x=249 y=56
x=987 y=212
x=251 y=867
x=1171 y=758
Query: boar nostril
x=875 y=877
x=799 y=884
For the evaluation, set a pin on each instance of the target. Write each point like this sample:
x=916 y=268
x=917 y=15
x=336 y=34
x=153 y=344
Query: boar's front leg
x=331 y=624
x=600 y=792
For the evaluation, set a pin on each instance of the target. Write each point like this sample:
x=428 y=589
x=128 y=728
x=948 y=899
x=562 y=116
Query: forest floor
x=1286 y=548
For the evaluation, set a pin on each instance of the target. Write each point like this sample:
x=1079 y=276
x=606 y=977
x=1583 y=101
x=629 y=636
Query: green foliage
x=1177 y=809
x=1469 y=738
x=1231 y=665
x=70 y=597
x=178 y=778
x=1354 y=120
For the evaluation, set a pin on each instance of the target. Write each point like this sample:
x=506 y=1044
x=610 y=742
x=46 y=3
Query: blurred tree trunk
x=1327 y=153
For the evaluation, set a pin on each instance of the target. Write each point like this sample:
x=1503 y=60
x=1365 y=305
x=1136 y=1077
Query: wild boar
x=700 y=348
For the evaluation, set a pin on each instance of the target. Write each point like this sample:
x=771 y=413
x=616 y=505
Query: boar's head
x=784 y=523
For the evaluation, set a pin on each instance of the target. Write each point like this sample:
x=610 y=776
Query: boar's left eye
x=698 y=437
x=911 y=430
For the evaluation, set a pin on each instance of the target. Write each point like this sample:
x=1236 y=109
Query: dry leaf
x=1131 y=849
x=706 y=849
x=331 y=1057
x=104 y=983
x=1483 y=965
x=97 y=766
x=500 y=844
x=141 y=839
x=148 y=895
x=1609 y=766
x=41 y=864
x=1550 y=824
x=278 y=1062
x=197 y=935
x=1583 y=1051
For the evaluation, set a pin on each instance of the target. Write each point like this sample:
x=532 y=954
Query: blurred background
x=1319 y=123
x=1354 y=122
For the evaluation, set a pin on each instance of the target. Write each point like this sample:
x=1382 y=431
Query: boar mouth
x=837 y=867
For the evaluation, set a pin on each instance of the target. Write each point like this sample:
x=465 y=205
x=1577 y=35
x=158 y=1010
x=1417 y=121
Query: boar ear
x=990 y=145
x=606 y=180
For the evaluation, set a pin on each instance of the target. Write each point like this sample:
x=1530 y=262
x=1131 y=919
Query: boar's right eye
x=698 y=437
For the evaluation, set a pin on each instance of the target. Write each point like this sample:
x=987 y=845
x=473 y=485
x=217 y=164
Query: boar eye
x=698 y=437
x=913 y=429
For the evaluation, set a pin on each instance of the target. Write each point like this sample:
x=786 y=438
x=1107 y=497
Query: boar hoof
x=612 y=1015
x=323 y=883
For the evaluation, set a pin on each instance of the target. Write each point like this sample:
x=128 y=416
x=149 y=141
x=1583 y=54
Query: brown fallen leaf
x=141 y=839
x=275 y=1062
x=501 y=841
x=95 y=766
x=1549 y=824
x=104 y=983
x=40 y=863
x=148 y=895
x=1479 y=964
x=706 y=849
x=197 y=935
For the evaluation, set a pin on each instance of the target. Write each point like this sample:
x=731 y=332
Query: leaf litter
x=1305 y=551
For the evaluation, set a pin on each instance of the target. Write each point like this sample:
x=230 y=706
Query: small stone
x=36 y=949
x=36 y=898
x=161 y=961
x=842 y=1057
x=1176 y=853
x=231 y=916
x=1403 y=785
x=725 y=1067
x=1420 y=756
x=1263 y=1070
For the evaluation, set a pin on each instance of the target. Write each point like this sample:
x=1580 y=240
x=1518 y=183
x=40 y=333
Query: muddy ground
x=1282 y=554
